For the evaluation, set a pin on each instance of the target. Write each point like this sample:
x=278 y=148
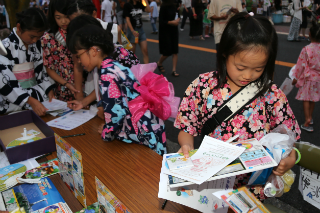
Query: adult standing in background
x=187 y=12
x=121 y=21
x=296 y=21
x=196 y=26
x=219 y=13
x=132 y=11
x=154 y=16
x=107 y=7
x=44 y=1
x=249 y=5
x=168 y=35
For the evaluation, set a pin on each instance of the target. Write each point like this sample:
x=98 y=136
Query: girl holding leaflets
x=132 y=11
x=307 y=76
x=246 y=59
x=56 y=57
x=23 y=79
x=119 y=91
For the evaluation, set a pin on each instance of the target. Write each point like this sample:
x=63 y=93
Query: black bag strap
x=109 y=26
x=231 y=107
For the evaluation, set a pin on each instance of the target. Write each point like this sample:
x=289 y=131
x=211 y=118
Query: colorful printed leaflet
x=32 y=197
x=9 y=175
x=242 y=200
x=71 y=169
x=94 y=208
x=107 y=201
x=45 y=169
x=212 y=156
x=179 y=162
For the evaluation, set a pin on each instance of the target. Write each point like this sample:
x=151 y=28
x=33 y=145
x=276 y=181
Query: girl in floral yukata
x=246 y=54
x=24 y=81
x=56 y=57
x=307 y=76
x=118 y=87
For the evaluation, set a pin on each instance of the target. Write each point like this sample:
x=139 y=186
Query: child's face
x=29 y=36
x=62 y=20
x=245 y=67
x=85 y=59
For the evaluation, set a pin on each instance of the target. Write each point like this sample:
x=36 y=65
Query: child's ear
x=18 y=27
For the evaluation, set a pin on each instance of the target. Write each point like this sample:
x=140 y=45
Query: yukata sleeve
x=189 y=115
x=9 y=85
x=282 y=112
x=113 y=105
x=301 y=64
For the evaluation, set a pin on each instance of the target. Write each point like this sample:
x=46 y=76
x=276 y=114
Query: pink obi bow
x=156 y=94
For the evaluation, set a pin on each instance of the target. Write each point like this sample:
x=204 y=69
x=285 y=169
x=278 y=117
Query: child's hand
x=100 y=113
x=37 y=106
x=71 y=88
x=285 y=164
x=224 y=17
x=185 y=150
x=51 y=95
x=100 y=128
x=75 y=105
x=294 y=81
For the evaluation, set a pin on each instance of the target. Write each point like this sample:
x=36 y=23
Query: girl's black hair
x=56 y=5
x=244 y=32
x=32 y=19
x=82 y=6
x=89 y=36
x=79 y=22
x=315 y=31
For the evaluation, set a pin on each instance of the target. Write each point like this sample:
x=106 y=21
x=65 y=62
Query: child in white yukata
x=23 y=79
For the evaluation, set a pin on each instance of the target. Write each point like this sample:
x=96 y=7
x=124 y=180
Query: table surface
x=130 y=171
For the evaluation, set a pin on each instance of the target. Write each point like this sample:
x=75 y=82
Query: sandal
x=175 y=74
x=160 y=68
x=201 y=38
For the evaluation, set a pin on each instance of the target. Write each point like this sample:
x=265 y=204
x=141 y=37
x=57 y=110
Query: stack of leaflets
x=9 y=175
x=254 y=158
x=33 y=198
x=45 y=169
x=56 y=107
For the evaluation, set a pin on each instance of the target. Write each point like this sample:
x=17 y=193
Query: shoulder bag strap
x=109 y=26
x=231 y=107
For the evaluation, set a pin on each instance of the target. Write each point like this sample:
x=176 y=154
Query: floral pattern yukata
x=307 y=72
x=58 y=58
x=254 y=121
x=117 y=89
x=125 y=57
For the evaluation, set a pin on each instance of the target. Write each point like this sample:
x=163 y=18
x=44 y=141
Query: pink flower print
x=238 y=121
x=254 y=125
x=124 y=52
x=52 y=41
x=114 y=91
x=225 y=137
x=191 y=130
x=164 y=138
x=279 y=118
x=184 y=105
x=193 y=118
x=107 y=117
x=258 y=135
x=106 y=64
x=106 y=130
x=229 y=128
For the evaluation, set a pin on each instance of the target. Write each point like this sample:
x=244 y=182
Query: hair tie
x=249 y=14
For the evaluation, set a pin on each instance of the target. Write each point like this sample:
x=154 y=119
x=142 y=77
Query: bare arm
x=78 y=77
x=131 y=28
x=186 y=142
x=103 y=11
x=119 y=35
x=148 y=9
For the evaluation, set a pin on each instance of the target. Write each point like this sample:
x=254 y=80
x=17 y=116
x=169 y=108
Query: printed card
x=179 y=162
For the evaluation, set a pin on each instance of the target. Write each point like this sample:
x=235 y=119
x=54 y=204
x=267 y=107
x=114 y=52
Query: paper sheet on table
x=195 y=196
x=55 y=105
x=212 y=156
x=218 y=194
x=30 y=163
x=73 y=119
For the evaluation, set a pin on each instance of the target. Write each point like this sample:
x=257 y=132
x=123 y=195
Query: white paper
x=218 y=194
x=212 y=156
x=72 y=120
x=310 y=185
x=54 y=105
x=254 y=158
x=30 y=163
x=198 y=197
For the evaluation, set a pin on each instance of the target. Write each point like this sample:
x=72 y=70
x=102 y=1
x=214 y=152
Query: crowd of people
x=70 y=54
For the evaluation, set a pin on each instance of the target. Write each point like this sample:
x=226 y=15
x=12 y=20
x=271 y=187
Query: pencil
x=164 y=204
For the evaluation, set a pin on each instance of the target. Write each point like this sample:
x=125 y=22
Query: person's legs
x=174 y=65
x=161 y=60
x=131 y=38
x=306 y=110
x=120 y=19
x=144 y=50
x=153 y=24
x=184 y=18
x=206 y=31
x=311 y=108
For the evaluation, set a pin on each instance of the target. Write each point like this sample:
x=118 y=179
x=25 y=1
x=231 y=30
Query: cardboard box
x=11 y=127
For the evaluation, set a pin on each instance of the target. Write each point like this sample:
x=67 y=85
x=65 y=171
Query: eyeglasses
x=78 y=56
